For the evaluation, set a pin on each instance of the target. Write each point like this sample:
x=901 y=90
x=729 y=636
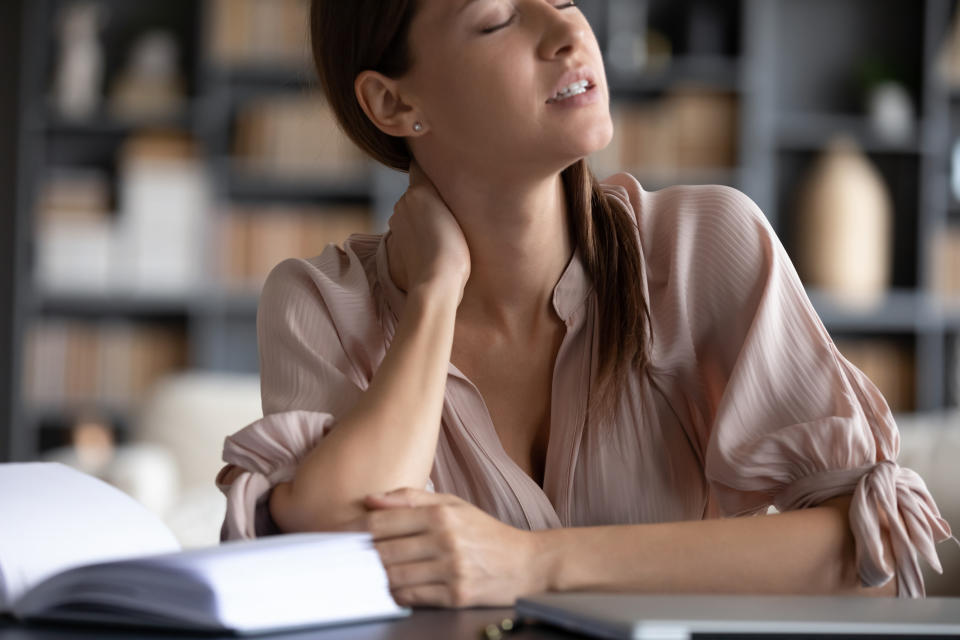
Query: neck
x=519 y=239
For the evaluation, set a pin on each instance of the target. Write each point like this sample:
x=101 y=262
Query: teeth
x=574 y=89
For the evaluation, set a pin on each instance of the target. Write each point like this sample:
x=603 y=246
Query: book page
x=55 y=518
x=248 y=586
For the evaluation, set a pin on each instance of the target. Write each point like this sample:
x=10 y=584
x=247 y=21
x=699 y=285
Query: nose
x=564 y=32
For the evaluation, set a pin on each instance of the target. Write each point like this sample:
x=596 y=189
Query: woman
x=537 y=381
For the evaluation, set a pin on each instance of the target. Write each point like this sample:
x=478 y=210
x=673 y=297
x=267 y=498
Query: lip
x=575 y=75
x=591 y=96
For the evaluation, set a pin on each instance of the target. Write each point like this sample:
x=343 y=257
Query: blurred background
x=160 y=156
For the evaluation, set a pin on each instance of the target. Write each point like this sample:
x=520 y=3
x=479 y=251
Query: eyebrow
x=466 y=5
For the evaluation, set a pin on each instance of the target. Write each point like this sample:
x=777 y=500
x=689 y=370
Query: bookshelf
x=746 y=74
x=10 y=229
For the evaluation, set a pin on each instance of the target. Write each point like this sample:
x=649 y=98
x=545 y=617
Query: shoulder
x=694 y=221
x=321 y=311
x=708 y=250
x=686 y=209
x=331 y=291
x=338 y=272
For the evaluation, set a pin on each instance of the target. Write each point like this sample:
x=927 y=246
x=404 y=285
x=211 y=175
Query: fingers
x=401 y=521
x=427 y=595
x=409 y=497
x=408 y=549
x=411 y=574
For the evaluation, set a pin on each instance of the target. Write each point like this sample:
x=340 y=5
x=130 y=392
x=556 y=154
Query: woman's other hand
x=441 y=551
x=425 y=245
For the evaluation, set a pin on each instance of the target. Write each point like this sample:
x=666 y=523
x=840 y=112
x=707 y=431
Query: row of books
x=158 y=233
x=254 y=239
x=953 y=372
x=688 y=129
x=259 y=32
x=294 y=135
x=148 y=238
x=946 y=263
x=72 y=363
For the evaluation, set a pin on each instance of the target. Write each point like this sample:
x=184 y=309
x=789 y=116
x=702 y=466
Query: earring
x=417 y=127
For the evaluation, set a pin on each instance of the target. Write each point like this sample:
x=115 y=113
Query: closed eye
x=566 y=5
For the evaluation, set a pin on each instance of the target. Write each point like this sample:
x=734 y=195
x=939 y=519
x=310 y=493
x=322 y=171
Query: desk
x=425 y=624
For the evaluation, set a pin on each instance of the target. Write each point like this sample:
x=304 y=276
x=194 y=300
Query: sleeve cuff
x=259 y=457
x=896 y=499
x=887 y=497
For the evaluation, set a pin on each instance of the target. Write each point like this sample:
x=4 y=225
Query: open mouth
x=571 y=91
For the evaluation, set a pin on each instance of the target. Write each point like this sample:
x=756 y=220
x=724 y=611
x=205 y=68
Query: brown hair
x=350 y=37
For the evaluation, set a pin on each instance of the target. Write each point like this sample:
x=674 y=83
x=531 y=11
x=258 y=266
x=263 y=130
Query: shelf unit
x=794 y=91
x=10 y=227
x=808 y=90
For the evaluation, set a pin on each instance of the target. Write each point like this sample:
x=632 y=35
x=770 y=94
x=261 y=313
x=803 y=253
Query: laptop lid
x=677 y=617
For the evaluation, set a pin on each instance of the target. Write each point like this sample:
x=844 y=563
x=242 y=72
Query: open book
x=73 y=548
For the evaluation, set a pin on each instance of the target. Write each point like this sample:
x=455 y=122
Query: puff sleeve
x=308 y=319
x=789 y=421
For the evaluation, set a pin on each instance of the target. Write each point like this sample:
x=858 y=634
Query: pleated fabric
x=746 y=402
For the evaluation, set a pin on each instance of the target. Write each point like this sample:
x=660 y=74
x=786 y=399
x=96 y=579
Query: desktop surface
x=423 y=624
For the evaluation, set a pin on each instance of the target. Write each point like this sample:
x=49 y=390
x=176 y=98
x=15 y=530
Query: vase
x=844 y=226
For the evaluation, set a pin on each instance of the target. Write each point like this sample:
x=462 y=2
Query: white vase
x=844 y=221
x=955 y=170
x=891 y=113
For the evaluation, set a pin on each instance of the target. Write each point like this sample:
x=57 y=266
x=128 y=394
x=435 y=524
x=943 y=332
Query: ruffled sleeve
x=786 y=419
x=313 y=367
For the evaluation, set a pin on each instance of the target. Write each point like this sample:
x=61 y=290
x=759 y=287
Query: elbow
x=292 y=514
x=284 y=511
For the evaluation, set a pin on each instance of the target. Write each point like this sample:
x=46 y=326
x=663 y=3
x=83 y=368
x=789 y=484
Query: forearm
x=809 y=551
x=389 y=439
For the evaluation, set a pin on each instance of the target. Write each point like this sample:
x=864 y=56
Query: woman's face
x=485 y=75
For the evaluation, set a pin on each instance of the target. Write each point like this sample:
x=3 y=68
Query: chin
x=604 y=138
x=593 y=140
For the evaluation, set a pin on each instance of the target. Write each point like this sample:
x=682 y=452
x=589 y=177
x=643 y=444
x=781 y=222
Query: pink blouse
x=746 y=403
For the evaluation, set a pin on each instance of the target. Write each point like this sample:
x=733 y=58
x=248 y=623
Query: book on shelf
x=255 y=239
x=165 y=198
x=687 y=130
x=75 y=231
x=953 y=372
x=75 y=549
x=294 y=137
x=946 y=264
x=76 y=257
x=114 y=364
x=152 y=244
x=75 y=194
x=259 y=32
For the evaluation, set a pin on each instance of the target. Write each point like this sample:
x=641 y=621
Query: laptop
x=667 y=617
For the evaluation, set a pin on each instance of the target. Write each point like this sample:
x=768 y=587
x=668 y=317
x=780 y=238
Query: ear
x=379 y=97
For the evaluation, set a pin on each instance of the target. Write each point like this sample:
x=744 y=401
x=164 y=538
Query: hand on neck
x=519 y=238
